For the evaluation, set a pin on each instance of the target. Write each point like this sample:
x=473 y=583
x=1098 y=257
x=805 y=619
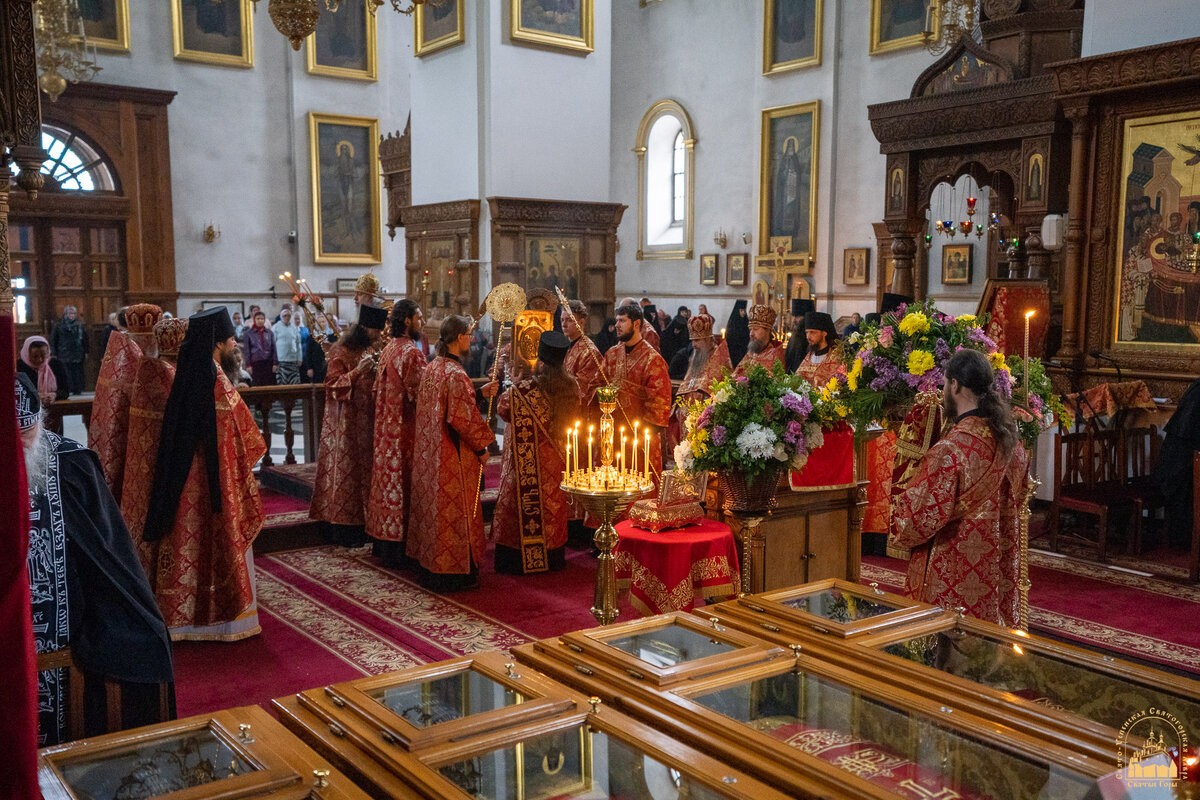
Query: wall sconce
x=746 y=237
x=211 y=233
x=720 y=239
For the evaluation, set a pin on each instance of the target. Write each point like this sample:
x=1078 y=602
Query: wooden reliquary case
x=482 y=728
x=237 y=753
x=833 y=607
x=793 y=720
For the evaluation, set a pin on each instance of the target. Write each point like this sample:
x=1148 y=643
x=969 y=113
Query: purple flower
x=793 y=432
x=705 y=417
x=797 y=404
x=1003 y=384
x=742 y=379
x=977 y=335
x=941 y=351
x=718 y=435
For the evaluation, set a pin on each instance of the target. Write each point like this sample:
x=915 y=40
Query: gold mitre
x=169 y=334
x=141 y=317
x=763 y=316
x=367 y=283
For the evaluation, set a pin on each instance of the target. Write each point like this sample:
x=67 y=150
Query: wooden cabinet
x=481 y=728
x=796 y=720
x=237 y=753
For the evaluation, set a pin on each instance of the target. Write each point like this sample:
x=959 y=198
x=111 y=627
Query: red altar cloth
x=1107 y=399
x=881 y=460
x=667 y=571
x=831 y=464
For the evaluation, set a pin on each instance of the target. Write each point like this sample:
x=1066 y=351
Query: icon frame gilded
x=879 y=45
x=243 y=60
x=710 y=269
x=966 y=252
x=373 y=254
x=736 y=263
x=770 y=118
x=119 y=19
x=441 y=41
x=770 y=65
x=370 y=73
x=521 y=33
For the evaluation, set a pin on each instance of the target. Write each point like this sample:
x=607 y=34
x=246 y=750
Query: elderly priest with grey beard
x=87 y=587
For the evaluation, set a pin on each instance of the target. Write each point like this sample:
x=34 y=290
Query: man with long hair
x=397 y=379
x=959 y=513
x=343 y=487
x=445 y=532
x=643 y=385
x=530 y=522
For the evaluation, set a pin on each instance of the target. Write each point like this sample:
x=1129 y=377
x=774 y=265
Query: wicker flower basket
x=743 y=497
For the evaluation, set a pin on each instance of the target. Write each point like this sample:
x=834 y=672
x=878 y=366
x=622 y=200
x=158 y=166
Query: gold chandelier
x=297 y=19
x=946 y=22
x=63 y=54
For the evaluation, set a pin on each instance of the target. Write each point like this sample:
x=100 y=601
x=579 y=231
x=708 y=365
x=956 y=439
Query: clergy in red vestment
x=583 y=359
x=397 y=379
x=530 y=522
x=763 y=348
x=205 y=511
x=147 y=402
x=643 y=385
x=708 y=363
x=344 y=461
x=960 y=511
x=821 y=363
x=109 y=427
x=446 y=528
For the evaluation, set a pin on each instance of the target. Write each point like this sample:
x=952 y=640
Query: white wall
x=708 y=57
x=240 y=152
x=1111 y=25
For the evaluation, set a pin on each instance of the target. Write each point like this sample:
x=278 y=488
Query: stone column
x=1081 y=129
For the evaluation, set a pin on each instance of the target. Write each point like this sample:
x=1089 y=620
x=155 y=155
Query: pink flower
x=887 y=335
x=742 y=379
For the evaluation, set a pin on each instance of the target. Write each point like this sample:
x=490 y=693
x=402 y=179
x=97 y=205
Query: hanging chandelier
x=297 y=19
x=63 y=54
x=947 y=21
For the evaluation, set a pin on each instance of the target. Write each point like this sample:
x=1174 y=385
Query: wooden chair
x=1141 y=446
x=75 y=713
x=1089 y=479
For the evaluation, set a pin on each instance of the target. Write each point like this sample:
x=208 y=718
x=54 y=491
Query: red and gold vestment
x=109 y=427
x=770 y=355
x=644 y=394
x=397 y=381
x=820 y=374
x=147 y=402
x=343 y=485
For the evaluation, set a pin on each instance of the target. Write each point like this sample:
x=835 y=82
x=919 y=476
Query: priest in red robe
x=583 y=359
x=446 y=528
x=708 y=363
x=959 y=513
x=343 y=486
x=205 y=511
x=763 y=348
x=109 y=427
x=643 y=385
x=822 y=362
x=147 y=403
x=530 y=522
x=397 y=379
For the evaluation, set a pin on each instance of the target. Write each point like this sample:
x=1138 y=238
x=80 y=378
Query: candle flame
x=1030 y=313
x=1017 y=649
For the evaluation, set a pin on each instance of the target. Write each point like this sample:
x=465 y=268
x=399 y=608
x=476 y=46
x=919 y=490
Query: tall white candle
x=647 y=454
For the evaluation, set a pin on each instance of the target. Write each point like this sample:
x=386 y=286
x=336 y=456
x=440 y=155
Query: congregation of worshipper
x=656 y=399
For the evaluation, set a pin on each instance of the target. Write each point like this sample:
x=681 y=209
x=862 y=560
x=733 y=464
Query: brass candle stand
x=605 y=490
x=1023 y=582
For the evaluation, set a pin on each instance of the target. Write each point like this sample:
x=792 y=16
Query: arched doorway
x=68 y=248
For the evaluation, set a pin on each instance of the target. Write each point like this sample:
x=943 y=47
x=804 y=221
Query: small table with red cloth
x=668 y=570
x=1112 y=400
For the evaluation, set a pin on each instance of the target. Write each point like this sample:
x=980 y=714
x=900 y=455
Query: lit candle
x=647 y=453
x=590 y=429
x=576 y=445
x=1028 y=315
x=633 y=449
x=568 y=454
x=722 y=333
x=621 y=457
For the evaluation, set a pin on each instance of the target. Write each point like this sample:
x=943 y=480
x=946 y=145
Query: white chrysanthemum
x=755 y=441
x=683 y=456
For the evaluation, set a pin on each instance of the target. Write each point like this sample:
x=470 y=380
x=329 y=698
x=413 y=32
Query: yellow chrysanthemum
x=832 y=386
x=826 y=395
x=852 y=377
x=842 y=410
x=914 y=323
x=969 y=319
x=702 y=436
x=997 y=361
x=920 y=362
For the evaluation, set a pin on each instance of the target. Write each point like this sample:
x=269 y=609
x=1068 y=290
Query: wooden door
x=60 y=262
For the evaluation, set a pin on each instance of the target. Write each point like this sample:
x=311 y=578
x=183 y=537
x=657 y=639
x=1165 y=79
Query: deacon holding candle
x=643 y=385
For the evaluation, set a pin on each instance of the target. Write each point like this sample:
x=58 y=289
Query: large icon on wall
x=343 y=45
x=345 y=187
x=791 y=34
x=788 y=181
x=439 y=27
x=1157 y=290
x=564 y=24
x=213 y=31
x=899 y=24
x=106 y=24
x=552 y=262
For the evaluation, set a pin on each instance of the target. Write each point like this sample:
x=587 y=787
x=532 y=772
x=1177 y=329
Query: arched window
x=665 y=163
x=72 y=164
x=678 y=181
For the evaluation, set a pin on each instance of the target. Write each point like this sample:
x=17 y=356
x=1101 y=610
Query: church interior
x=1008 y=177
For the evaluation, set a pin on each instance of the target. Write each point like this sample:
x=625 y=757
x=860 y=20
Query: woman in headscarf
x=737 y=332
x=46 y=371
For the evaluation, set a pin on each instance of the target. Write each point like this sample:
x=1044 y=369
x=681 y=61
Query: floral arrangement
x=753 y=422
x=1038 y=410
x=904 y=354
